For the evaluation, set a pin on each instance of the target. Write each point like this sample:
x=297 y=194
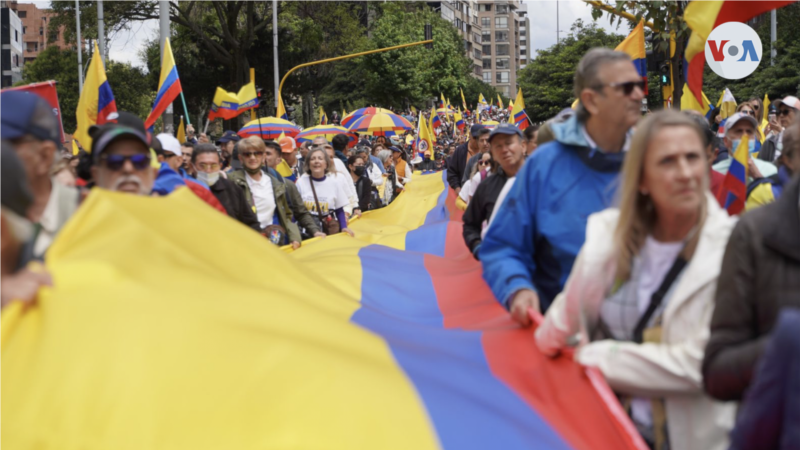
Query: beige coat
x=671 y=369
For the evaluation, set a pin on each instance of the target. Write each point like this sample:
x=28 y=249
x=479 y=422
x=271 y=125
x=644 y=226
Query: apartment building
x=11 y=46
x=524 y=36
x=463 y=14
x=35 y=35
x=500 y=43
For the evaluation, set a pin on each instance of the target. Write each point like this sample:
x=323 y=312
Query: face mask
x=208 y=178
x=252 y=171
x=359 y=170
x=427 y=158
x=751 y=145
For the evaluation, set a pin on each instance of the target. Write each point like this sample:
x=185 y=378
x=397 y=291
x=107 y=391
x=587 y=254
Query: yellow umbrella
x=269 y=128
x=381 y=124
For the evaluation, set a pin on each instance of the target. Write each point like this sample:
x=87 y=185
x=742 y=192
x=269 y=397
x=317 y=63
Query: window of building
x=501 y=22
x=22 y=14
x=478 y=70
x=522 y=32
x=24 y=30
x=478 y=54
x=16 y=36
x=502 y=63
x=487 y=77
x=486 y=22
x=487 y=50
x=447 y=14
x=502 y=9
x=44 y=19
x=458 y=23
x=502 y=50
x=505 y=90
x=487 y=7
x=476 y=38
x=41 y=31
x=486 y=36
x=502 y=77
x=501 y=36
x=487 y=63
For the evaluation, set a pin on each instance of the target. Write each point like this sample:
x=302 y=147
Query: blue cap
x=395 y=149
x=506 y=129
x=475 y=130
x=228 y=136
x=23 y=113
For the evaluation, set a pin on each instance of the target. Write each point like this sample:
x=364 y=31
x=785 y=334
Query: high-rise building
x=11 y=46
x=500 y=42
x=524 y=36
x=463 y=14
x=35 y=35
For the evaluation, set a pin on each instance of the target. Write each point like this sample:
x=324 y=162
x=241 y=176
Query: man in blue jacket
x=531 y=245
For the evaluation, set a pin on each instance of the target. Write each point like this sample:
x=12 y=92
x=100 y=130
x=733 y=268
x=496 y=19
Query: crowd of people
x=611 y=225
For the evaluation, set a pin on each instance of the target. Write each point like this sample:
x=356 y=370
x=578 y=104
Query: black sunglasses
x=249 y=154
x=628 y=86
x=484 y=163
x=784 y=112
x=116 y=162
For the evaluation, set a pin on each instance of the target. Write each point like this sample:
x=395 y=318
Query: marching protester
x=322 y=194
x=530 y=133
x=264 y=193
x=374 y=156
x=760 y=276
x=187 y=148
x=743 y=126
x=392 y=185
x=507 y=149
x=529 y=250
x=478 y=173
x=339 y=143
x=227 y=144
x=401 y=170
x=28 y=122
x=207 y=163
x=20 y=283
x=764 y=191
x=289 y=158
x=483 y=141
x=341 y=175
x=122 y=160
x=786 y=110
x=361 y=181
x=647 y=295
x=457 y=164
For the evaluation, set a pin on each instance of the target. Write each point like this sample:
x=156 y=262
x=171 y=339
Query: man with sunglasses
x=786 y=110
x=530 y=248
x=122 y=159
x=29 y=123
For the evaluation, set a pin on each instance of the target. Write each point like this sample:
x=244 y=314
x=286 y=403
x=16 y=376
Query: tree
x=548 y=79
x=128 y=83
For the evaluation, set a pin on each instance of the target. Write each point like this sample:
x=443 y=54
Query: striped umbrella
x=350 y=118
x=491 y=124
x=446 y=111
x=326 y=131
x=269 y=128
x=380 y=124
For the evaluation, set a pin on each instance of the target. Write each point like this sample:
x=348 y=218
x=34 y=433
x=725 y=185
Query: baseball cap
x=505 y=129
x=395 y=140
x=288 y=144
x=170 y=143
x=734 y=119
x=790 y=101
x=104 y=135
x=395 y=149
x=228 y=136
x=475 y=130
x=23 y=113
x=15 y=192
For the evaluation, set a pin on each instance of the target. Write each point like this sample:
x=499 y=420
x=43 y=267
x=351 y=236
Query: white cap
x=732 y=120
x=169 y=143
x=790 y=101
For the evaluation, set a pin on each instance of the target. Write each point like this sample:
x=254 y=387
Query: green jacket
x=281 y=205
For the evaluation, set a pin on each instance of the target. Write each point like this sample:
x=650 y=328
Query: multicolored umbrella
x=381 y=124
x=490 y=124
x=446 y=111
x=326 y=131
x=350 y=118
x=269 y=128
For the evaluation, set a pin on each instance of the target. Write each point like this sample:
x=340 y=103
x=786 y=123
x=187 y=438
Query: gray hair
x=383 y=155
x=329 y=167
x=587 y=74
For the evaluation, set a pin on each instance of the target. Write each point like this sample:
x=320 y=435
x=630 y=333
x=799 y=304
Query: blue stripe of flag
x=168 y=82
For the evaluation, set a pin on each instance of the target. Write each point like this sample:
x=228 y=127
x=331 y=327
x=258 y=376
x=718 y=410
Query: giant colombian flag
x=169 y=86
x=96 y=102
x=155 y=336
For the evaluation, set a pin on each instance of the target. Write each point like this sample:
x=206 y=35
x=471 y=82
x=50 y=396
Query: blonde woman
x=323 y=195
x=645 y=297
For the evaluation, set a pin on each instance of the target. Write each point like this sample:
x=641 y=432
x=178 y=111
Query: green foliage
x=547 y=80
x=127 y=82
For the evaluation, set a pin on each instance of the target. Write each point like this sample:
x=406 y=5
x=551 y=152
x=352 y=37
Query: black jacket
x=480 y=209
x=760 y=275
x=427 y=166
x=457 y=165
x=364 y=192
x=768 y=148
x=235 y=203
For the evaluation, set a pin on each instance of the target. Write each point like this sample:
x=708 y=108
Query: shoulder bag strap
x=314 y=191
x=657 y=298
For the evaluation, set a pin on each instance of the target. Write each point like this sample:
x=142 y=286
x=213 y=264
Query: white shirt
x=330 y=193
x=375 y=175
x=263 y=198
x=343 y=175
x=656 y=260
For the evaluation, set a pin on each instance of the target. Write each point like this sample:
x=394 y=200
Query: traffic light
x=664 y=71
x=658 y=53
x=428 y=35
x=261 y=100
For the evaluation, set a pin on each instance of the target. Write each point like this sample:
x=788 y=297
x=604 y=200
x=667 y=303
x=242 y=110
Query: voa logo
x=733 y=50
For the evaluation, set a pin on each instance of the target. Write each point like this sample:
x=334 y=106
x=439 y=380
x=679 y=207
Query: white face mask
x=208 y=178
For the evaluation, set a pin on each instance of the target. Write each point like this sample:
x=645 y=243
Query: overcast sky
x=125 y=46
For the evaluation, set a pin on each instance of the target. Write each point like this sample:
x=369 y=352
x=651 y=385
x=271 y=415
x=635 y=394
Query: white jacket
x=670 y=369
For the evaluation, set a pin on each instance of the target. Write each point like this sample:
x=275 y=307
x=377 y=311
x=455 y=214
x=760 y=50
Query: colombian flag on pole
x=733 y=192
x=702 y=17
x=96 y=102
x=463 y=100
x=228 y=105
x=689 y=101
x=633 y=45
x=181 y=134
x=435 y=120
x=459 y=119
x=169 y=86
x=499 y=101
x=281 y=113
x=323 y=118
x=520 y=117
x=424 y=139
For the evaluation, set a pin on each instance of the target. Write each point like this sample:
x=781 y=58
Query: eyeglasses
x=749 y=112
x=784 y=112
x=627 y=86
x=208 y=167
x=116 y=162
x=484 y=163
x=249 y=154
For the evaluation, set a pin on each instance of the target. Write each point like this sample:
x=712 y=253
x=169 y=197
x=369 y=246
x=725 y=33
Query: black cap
x=228 y=136
x=14 y=190
x=506 y=129
x=476 y=129
x=104 y=135
x=24 y=113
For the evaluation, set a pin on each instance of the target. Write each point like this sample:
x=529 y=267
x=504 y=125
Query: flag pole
x=185 y=109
